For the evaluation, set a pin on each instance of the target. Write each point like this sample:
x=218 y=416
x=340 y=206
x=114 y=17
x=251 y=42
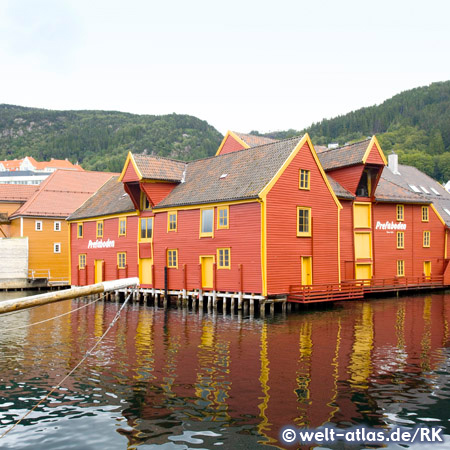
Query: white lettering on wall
x=390 y=226
x=100 y=243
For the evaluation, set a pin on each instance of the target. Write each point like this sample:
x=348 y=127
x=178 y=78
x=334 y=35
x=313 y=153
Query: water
x=179 y=380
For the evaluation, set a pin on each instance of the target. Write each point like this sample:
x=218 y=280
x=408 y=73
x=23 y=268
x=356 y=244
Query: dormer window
x=145 y=202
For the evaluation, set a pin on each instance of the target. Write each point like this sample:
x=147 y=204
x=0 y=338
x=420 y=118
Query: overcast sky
x=240 y=65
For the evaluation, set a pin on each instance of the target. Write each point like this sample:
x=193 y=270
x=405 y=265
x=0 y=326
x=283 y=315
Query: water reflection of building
x=164 y=369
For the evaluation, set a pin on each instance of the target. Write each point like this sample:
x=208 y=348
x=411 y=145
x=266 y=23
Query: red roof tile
x=16 y=192
x=254 y=141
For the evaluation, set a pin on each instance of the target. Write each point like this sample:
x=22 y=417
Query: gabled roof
x=16 y=192
x=62 y=193
x=339 y=190
x=254 y=141
x=111 y=198
x=56 y=164
x=349 y=155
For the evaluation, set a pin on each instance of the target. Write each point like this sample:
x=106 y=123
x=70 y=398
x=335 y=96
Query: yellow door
x=363 y=247
x=306 y=270
x=98 y=270
x=363 y=271
x=427 y=269
x=361 y=215
x=145 y=269
x=207 y=263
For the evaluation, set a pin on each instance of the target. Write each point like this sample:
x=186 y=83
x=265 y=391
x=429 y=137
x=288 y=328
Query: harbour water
x=179 y=379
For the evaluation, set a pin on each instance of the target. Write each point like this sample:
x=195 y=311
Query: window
x=145 y=202
x=123 y=226
x=424 y=213
x=56 y=226
x=172 y=221
x=57 y=247
x=80 y=230
x=223 y=258
x=38 y=225
x=426 y=238
x=447 y=211
x=303 y=221
x=424 y=189
x=304 y=179
x=146 y=228
x=82 y=261
x=222 y=217
x=400 y=268
x=206 y=222
x=172 y=258
x=435 y=191
x=400 y=213
x=400 y=239
x=100 y=229
x=121 y=260
x=414 y=188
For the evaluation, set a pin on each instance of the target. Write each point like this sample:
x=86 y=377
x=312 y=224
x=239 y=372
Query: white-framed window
x=57 y=247
x=38 y=225
x=57 y=226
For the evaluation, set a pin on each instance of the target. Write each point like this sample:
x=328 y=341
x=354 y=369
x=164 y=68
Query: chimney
x=393 y=163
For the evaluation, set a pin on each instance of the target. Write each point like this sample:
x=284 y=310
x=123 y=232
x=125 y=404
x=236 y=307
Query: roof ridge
x=161 y=157
x=345 y=145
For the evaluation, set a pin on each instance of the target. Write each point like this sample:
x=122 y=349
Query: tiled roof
x=57 y=164
x=347 y=155
x=408 y=176
x=16 y=192
x=158 y=168
x=339 y=190
x=62 y=193
x=254 y=141
x=111 y=198
x=233 y=176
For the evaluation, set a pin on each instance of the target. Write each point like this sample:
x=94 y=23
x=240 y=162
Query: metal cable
x=88 y=353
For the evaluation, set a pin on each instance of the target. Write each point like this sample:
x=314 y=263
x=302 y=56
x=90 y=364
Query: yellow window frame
x=400 y=268
x=82 y=261
x=123 y=221
x=306 y=233
x=145 y=202
x=172 y=221
x=400 y=239
x=223 y=220
x=80 y=228
x=172 y=262
x=222 y=262
x=206 y=233
x=99 y=229
x=121 y=260
x=426 y=239
x=400 y=213
x=304 y=177
x=425 y=214
x=141 y=221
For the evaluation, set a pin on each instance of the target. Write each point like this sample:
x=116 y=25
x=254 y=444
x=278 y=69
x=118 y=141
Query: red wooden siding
x=284 y=248
x=243 y=238
x=374 y=156
x=130 y=174
x=127 y=244
x=231 y=145
x=347 y=241
x=157 y=192
x=414 y=254
x=348 y=177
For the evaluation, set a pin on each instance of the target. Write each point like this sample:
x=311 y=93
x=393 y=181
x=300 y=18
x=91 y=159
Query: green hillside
x=100 y=140
x=414 y=123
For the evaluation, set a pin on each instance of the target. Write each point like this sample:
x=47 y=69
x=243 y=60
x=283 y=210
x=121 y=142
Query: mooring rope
x=3 y=330
x=87 y=354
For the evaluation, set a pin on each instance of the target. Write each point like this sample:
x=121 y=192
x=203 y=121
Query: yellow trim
x=80 y=235
x=235 y=137
x=425 y=209
x=229 y=258
x=206 y=234
x=125 y=166
x=304 y=233
x=124 y=260
x=402 y=234
x=176 y=258
x=169 y=215
x=308 y=179
x=428 y=239
x=437 y=214
x=293 y=154
x=69 y=239
x=227 y=209
x=374 y=140
x=79 y=260
x=263 y=246
x=141 y=239
x=339 y=244
x=445 y=244
x=142 y=202
x=204 y=205
x=97 y=234
x=123 y=220
x=402 y=209
x=108 y=216
x=400 y=273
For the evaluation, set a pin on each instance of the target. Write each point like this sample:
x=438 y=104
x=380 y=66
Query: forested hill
x=100 y=140
x=414 y=123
